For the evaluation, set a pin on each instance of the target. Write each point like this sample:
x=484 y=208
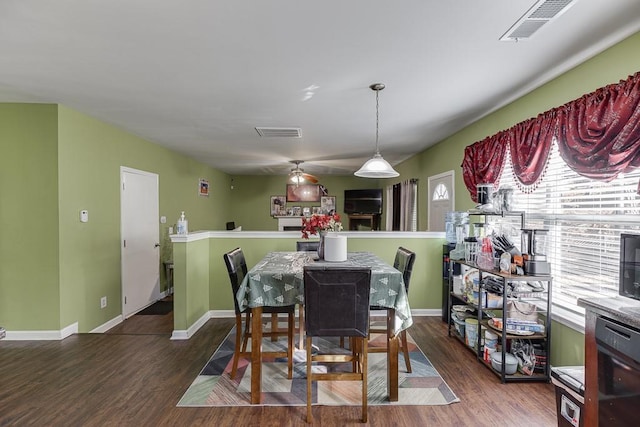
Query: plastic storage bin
x=569 y=383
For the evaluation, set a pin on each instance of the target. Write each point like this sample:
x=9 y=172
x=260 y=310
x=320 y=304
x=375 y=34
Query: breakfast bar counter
x=201 y=283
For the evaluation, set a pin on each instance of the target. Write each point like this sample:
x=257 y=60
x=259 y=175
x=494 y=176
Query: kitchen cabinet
x=490 y=312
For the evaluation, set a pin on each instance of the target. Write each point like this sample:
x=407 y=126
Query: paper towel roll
x=335 y=248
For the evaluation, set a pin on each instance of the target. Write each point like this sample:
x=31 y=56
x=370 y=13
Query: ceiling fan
x=298 y=176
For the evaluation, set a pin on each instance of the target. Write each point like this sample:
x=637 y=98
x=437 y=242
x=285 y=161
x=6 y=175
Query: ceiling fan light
x=297 y=178
x=376 y=167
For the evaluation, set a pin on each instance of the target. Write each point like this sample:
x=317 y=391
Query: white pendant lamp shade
x=376 y=167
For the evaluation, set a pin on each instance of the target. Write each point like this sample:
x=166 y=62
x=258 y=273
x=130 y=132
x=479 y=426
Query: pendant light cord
x=377 y=119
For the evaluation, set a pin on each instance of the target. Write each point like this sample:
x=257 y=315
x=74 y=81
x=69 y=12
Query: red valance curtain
x=483 y=162
x=598 y=136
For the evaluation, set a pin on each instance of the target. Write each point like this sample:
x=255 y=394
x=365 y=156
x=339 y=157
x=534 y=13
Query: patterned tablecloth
x=277 y=281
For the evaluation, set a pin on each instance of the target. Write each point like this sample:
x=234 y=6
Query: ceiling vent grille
x=267 y=132
x=542 y=12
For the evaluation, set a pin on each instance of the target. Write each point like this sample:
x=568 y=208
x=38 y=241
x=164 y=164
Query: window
x=584 y=218
x=441 y=193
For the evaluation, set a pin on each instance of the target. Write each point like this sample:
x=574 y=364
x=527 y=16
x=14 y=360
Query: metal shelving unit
x=541 y=299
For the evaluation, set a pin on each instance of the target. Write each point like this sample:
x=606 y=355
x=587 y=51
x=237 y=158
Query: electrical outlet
x=103 y=302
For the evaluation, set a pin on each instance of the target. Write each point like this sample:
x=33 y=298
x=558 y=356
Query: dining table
x=277 y=280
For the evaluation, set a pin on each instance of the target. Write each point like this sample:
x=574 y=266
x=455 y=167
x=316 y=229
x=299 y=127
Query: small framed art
x=327 y=204
x=203 y=187
x=278 y=205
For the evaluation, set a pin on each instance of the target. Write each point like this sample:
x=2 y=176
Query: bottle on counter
x=182 y=224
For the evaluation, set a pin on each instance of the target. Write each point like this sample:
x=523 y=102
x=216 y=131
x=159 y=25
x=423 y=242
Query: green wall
x=29 y=247
x=250 y=197
x=425 y=291
x=611 y=66
x=57 y=161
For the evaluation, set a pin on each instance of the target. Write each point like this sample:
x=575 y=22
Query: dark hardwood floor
x=134 y=376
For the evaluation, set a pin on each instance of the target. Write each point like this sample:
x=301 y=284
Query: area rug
x=214 y=387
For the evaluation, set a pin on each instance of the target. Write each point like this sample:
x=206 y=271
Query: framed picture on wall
x=303 y=193
x=203 y=187
x=328 y=204
x=316 y=210
x=278 y=205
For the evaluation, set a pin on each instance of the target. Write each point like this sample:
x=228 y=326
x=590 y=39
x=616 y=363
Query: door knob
x=157 y=245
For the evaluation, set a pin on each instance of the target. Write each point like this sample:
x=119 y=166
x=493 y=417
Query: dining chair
x=336 y=303
x=404 y=263
x=237 y=269
x=307 y=246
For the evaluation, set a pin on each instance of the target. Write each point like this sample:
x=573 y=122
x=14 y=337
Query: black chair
x=307 y=246
x=403 y=262
x=237 y=268
x=336 y=303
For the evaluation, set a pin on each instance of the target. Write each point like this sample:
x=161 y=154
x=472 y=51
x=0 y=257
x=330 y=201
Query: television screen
x=367 y=201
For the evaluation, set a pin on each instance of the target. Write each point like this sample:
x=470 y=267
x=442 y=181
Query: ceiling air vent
x=542 y=12
x=279 y=132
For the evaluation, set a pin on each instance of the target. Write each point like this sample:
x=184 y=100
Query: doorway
x=140 y=232
x=441 y=199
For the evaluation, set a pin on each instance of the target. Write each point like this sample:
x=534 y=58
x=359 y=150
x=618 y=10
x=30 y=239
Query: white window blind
x=584 y=218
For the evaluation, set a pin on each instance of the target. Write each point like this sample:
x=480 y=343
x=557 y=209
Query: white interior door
x=441 y=199
x=140 y=234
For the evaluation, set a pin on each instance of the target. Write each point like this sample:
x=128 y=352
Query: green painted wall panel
x=197 y=297
x=251 y=197
x=29 y=272
x=91 y=154
x=425 y=290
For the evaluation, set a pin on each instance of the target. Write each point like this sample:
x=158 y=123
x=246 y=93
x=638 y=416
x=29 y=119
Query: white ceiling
x=198 y=76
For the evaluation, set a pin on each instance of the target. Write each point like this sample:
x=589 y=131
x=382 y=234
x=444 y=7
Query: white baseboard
x=426 y=312
x=108 y=325
x=176 y=335
x=42 y=335
x=181 y=334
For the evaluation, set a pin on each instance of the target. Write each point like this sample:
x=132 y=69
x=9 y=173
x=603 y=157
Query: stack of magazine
x=524 y=326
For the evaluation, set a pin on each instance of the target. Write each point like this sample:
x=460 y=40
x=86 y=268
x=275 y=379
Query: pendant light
x=376 y=167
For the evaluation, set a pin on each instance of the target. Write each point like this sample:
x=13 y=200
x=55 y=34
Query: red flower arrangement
x=319 y=222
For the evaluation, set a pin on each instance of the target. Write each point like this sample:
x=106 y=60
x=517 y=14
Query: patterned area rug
x=214 y=387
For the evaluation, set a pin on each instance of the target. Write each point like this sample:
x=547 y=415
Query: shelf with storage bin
x=516 y=288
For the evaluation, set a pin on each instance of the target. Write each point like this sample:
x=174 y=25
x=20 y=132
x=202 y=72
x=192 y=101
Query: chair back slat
x=404 y=262
x=237 y=269
x=307 y=246
x=337 y=300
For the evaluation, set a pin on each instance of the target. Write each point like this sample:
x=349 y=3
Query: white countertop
x=210 y=234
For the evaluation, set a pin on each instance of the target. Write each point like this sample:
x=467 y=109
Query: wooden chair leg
x=274 y=326
x=353 y=345
x=291 y=323
x=236 y=351
x=309 y=382
x=301 y=327
x=364 y=358
x=405 y=350
x=247 y=328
